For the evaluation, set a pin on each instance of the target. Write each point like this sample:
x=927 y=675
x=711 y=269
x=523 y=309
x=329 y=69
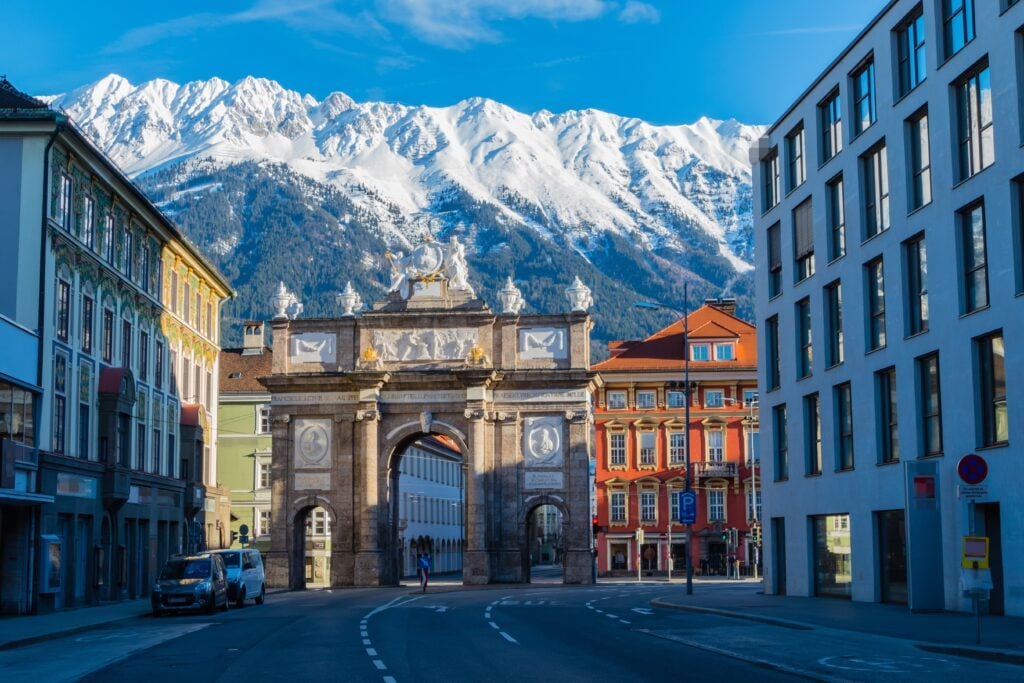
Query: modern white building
x=888 y=207
x=430 y=506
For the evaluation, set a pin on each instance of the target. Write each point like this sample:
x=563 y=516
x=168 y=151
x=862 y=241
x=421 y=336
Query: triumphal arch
x=349 y=394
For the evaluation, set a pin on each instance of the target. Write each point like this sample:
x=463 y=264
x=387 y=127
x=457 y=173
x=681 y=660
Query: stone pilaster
x=367 y=498
x=278 y=567
x=476 y=562
x=578 y=554
x=343 y=546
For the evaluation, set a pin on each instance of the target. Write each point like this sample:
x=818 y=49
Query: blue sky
x=668 y=61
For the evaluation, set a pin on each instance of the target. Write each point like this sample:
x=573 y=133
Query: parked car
x=245 y=575
x=191 y=583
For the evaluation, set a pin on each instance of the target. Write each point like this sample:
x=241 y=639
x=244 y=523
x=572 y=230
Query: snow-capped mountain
x=590 y=182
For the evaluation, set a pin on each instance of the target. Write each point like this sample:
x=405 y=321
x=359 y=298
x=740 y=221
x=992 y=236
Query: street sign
x=687 y=507
x=964 y=492
x=974 y=552
x=972 y=469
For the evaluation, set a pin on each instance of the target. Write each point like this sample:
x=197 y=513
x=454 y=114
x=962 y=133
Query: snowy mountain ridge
x=567 y=177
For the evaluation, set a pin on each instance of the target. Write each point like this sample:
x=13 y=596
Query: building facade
x=887 y=205
x=110 y=324
x=430 y=511
x=642 y=438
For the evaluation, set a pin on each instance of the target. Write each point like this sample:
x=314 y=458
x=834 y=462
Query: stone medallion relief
x=312 y=443
x=423 y=344
x=314 y=347
x=542 y=441
x=543 y=342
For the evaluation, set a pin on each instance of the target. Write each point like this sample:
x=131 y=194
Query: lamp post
x=653 y=305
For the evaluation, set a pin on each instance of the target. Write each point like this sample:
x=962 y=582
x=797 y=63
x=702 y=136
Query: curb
x=62 y=633
x=771 y=621
x=982 y=653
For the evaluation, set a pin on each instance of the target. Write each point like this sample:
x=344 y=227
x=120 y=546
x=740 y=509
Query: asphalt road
x=538 y=632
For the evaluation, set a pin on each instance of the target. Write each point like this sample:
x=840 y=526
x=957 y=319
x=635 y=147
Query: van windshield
x=230 y=559
x=186 y=569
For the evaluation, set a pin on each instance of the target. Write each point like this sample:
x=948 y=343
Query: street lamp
x=654 y=305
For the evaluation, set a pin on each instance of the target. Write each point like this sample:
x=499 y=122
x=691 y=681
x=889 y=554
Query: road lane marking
x=370 y=652
x=366 y=641
x=379 y=664
x=509 y=638
x=624 y=621
x=493 y=625
x=390 y=679
x=643 y=610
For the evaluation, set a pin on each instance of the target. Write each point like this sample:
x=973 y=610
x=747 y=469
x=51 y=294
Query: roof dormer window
x=725 y=351
x=700 y=352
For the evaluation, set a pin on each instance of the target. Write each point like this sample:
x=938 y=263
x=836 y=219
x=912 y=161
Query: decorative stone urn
x=510 y=298
x=579 y=296
x=351 y=302
x=280 y=302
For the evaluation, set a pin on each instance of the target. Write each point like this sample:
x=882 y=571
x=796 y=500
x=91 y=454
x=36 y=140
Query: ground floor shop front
x=658 y=553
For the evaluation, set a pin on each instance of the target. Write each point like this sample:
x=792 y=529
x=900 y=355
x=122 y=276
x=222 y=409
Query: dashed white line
x=624 y=621
x=370 y=652
x=379 y=664
x=493 y=625
x=366 y=641
x=611 y=616
x=390 y=679
x=508 y=637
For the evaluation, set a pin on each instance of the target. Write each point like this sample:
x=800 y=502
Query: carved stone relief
x=312 y=443
x=314 y=347
x=424 y=344
x=543 y=342
x=542 y=441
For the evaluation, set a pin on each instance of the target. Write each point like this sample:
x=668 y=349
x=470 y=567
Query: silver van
x=245 y=575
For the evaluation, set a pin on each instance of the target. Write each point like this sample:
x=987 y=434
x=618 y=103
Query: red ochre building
x=641 y=433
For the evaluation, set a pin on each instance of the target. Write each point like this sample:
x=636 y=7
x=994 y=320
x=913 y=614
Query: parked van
x=194 y=582
x=245 y=575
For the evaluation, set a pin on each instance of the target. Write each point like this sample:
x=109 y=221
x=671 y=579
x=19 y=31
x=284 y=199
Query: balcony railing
x=714 y=469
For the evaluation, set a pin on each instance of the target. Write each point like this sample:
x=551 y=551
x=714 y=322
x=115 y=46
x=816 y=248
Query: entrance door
x=779 y=555
x=716 y=562
x=892 y=555
x=987 y=523
x=81 y=567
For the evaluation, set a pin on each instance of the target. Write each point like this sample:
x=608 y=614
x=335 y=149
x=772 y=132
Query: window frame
x=834 y=348
x=888 y=416
x=774 y=237
x=644 y=403
x=968 y=31
x=835 y=209
x=919 y=163
x=911 y=52
x=988 y=398
x=709 y=403
x=771 y=192
x=926 y=412
x=866 y=67
x=804 y=338
x=830 y=120
x=843 y=400
x=796 y=158
x=614 y=405
x=969 y=265
x=969 y=126
x=874 y=285
x=773 y=369
x=915 y=265
x=874 y=170
x=812 y=434
x=780 y=442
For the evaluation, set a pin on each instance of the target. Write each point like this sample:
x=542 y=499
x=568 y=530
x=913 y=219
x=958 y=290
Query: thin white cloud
x=460 y=24
x=811 y=30
x=636 y=12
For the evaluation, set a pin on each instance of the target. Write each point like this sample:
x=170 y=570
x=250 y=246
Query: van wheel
x=263 y=592
x=240 y=602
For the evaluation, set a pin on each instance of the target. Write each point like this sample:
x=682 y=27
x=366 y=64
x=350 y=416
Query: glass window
x=108 y=335
x=64 y=202
x=676 y=399
x=648 y=452
x=957 y=24
x=910 y=52
x=753 y=503
x=676 y=448
x=648 y=506
x=844 y=426
x=975 y=143
x=749 y=397
x=618 y=448
x=836 y=208
x=995 y=426
x=59 y=423
x=863 y=97
x=264 y=474
x=774 y=261
x=772 y=352
x=264 y=523
x=87 y=324
x=126 y=343
x=974 y=258
x=803 y=240
x=803 y=335
x=915 y=260
x=885 y=399
x=930 y=409
x=724 y=352
x=875 y=170
x=17 y=414
x=833 y=569
x=616 y=400
x=812 y=433
x=143 y=355
x=88 y=222
x=874 y=278
x=716 y=445
x=772 y=190
x=264 y=420
x=618 y=506
x=128 y=252
x=108 y=237
x=714 y=398
x=700 y=352
x=156 y=460
x=63 y=309
x=830 y=115
x=834 y=321
x=716 y=505
x=158 y=365
x=920 y=161
x=645 y=399
x=673 y=505
x=796 y=170
x=781 y=442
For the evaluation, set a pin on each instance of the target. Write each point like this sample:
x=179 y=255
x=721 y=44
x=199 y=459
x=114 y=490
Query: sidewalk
x=1001 y=637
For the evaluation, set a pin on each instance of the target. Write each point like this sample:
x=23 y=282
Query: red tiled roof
x=663 y=350
x=238 y=373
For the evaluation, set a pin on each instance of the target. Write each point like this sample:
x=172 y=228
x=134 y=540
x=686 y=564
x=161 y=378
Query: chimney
x=252 y=340
x=724 y=305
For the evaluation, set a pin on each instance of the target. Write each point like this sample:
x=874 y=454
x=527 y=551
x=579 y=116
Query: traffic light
x=234 y=537
x=755 y=532
x=597 y=527
x=725 y=535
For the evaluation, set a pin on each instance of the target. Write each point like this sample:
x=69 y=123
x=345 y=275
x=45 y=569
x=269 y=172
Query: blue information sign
x=687 y=507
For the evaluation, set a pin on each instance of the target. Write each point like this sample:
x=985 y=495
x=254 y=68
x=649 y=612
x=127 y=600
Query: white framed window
x=645 y=399
x=750 y=503
x=676 y=448
x=616 y=400
x=716 y=505
x=725 y=352
x=617 y=448
x=648 y=506
x=716 y=445
x=714 y=398
x=318 y=523
x=648 y=449
x=676 y=399
x=617 y=506
x=263 y=523
x=700 y=352
x=749 y=397
x=263 y=419
x=673 y=505
x=263 y=474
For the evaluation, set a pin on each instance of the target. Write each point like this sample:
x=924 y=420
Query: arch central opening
x=428 y=508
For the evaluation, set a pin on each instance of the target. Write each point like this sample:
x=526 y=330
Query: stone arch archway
x=512 y=391
x=300 y=510
x=532 y=505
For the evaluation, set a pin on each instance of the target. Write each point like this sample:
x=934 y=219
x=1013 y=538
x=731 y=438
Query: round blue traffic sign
x=972 y=468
